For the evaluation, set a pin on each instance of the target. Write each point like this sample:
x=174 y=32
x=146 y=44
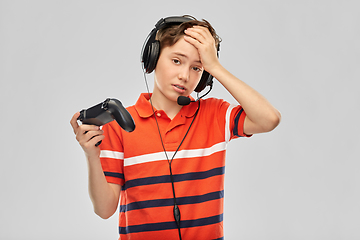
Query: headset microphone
x=183 y=101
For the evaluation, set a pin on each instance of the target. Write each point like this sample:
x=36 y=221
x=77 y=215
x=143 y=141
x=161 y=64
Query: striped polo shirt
x=139 y=164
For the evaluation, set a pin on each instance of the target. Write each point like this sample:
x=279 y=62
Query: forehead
x=183 y=49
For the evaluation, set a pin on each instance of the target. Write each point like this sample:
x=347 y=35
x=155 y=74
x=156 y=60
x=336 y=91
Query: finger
x=202 y=28
x=192 y=41
x=203 y=32
x=84 y=128
x=203 y=36
x=195 y=34
x=84 y=135
x=92 y=134
x=93 y=141
x=74 y=123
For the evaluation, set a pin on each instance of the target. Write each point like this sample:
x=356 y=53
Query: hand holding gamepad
x=106 y=112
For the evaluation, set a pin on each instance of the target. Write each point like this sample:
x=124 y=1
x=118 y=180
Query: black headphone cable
x=176 y=210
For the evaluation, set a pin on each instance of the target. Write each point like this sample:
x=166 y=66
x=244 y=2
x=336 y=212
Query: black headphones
x=151 y=50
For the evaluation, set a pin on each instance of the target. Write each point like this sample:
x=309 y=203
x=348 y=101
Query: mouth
x=179 y=87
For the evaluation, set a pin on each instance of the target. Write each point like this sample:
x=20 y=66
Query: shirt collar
x=144 y=109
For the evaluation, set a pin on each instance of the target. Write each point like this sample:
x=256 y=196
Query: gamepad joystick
x=106 y=112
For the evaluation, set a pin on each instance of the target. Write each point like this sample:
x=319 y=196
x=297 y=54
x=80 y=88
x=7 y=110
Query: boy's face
x=178 y=70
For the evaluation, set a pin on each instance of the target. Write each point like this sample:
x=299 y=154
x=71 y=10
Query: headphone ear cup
x=152 y=56
x=206 y=80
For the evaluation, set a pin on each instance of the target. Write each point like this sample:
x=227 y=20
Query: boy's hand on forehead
x=201 y=38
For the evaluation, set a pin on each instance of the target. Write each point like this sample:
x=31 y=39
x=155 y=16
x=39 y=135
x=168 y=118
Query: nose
x=184 y=74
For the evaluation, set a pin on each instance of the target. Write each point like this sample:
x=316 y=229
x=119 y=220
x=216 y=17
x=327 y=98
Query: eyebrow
x=183 y=55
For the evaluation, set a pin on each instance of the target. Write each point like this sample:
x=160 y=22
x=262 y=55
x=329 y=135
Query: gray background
x=299 y=182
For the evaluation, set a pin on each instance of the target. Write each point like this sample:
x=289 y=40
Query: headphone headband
x=171 y=20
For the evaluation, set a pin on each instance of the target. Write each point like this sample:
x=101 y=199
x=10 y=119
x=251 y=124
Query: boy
x=169 y=172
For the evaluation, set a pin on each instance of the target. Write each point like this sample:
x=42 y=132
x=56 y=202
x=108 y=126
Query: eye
x=197 y=69
x=176 y=61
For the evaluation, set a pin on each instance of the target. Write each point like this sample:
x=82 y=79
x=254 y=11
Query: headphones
x=151 y=50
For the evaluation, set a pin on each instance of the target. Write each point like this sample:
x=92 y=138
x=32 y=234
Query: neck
x=160 y=102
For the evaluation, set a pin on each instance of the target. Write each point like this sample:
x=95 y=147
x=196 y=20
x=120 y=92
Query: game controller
x=105 y=112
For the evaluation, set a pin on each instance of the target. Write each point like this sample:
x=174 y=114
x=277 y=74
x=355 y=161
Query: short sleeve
x=234 y=118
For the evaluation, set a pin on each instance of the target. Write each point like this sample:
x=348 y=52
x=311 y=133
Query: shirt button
x=158 y=114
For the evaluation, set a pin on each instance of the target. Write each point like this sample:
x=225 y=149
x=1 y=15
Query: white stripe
x=227 y=122
x=111 y=154
x=160 y=156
